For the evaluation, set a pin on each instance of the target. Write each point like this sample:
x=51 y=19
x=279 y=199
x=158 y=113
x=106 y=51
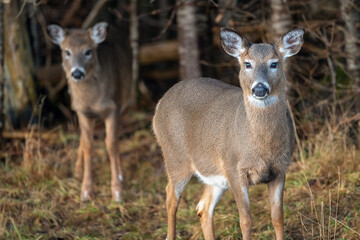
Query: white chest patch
x=213 y=180
x=262 y=103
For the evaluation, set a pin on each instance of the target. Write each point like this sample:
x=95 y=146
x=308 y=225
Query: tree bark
x=280 y=23
x=2 y=77
x=280 y=18
x=20 y=93
x=134 y=43
x=187 y=35
x=351 y=18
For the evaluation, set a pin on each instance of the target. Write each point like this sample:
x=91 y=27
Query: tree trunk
x=2 y=77
x=351 y=18
x=280 y=23
x=280 y=19
x=134 y=43
x=187 y=35
x=20 y=93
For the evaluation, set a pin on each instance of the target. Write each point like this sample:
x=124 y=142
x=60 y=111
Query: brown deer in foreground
x=97 y=75
x=230 y=137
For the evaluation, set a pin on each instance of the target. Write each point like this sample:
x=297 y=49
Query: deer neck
x=267 y=125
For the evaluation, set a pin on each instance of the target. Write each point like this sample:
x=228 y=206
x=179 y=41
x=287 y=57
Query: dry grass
x=39 y=199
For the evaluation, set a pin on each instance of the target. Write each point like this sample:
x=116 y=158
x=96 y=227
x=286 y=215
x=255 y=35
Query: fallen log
x=158 y=52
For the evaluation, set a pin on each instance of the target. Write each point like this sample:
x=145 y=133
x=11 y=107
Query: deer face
x=262 y=74
x=78 y=48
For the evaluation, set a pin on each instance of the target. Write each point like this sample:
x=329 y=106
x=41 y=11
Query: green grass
x=42 y=201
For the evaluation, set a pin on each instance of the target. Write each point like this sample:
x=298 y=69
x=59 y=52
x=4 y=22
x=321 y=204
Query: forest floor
x=39 y=198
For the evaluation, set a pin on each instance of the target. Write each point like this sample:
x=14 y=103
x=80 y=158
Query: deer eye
x=247 y=65
x=88 y=52
x=274 y=65
x=67 y=53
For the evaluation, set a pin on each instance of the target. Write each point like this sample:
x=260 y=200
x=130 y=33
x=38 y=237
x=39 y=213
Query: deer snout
x=260 y=90
x=77 y=74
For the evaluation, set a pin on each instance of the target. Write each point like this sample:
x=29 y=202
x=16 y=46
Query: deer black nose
x=77 y=74
x=260 y=90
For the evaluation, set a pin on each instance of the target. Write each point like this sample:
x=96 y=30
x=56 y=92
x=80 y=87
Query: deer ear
x=290 y=44
x=56 y=33
x=232 y=42
x=98 y=32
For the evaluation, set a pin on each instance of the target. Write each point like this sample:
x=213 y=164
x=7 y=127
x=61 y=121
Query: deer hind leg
x=179 y=172
x=276 y=189
x=114 y=155
x=205 y=209
x=174 y=189
x=86 y=144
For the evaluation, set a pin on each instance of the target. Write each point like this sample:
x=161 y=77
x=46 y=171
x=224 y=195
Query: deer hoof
x=116 y=194
x=86 y=195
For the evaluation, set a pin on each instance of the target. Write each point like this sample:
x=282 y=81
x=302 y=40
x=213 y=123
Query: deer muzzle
x=77 y=74
x=260 y=90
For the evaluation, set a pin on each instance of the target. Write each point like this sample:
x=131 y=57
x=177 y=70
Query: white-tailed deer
x=97 y=74
x=230 y=137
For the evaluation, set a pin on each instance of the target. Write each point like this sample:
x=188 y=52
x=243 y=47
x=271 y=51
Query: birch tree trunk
x=20 y=93
x=280 y=23
x=351 y=18
x=188 y=44
x=280 y=18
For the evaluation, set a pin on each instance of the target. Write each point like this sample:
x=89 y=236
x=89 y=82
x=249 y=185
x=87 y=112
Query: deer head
x=78 y=48
x=262 y=75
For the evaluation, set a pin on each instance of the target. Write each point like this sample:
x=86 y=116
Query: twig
x=302 y=227
x=310 y=219
x=297 y=139
x=337 y=202
x=346 y=226
x=71 y=12
x=333 y=83
x=21 y=10
x=311 y=196
x=94 y=12
x=167 y=26
x=329 y=221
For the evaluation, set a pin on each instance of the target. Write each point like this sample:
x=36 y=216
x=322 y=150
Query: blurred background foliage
x=173 y=40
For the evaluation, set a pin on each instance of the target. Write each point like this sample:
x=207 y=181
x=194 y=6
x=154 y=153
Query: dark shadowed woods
x=169 y=41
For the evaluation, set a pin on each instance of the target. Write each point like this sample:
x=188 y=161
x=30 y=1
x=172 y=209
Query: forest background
x=170 y=41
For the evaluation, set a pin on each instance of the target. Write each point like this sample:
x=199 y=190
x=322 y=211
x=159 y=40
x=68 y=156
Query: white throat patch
x=262 y=103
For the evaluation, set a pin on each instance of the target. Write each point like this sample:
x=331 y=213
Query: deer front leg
x=205 y=209
x=239 y=186
x=113 y=151
x=86 y=145
x=78 y=171
x=276 y=190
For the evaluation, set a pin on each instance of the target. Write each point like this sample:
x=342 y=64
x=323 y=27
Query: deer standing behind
x=230 y=137
x=99 y=78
